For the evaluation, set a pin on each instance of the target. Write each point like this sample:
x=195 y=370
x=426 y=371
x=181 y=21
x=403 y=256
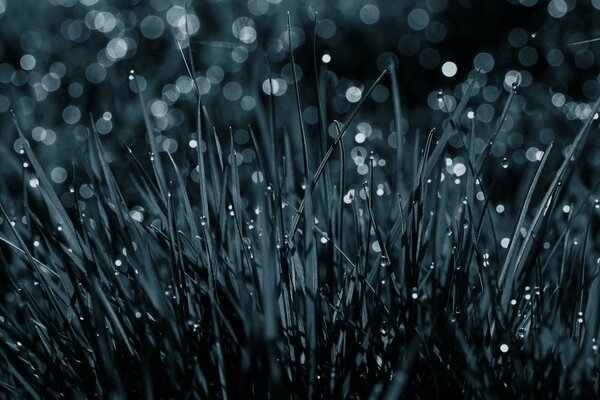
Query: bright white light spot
x=504 y=348
x=504 y=243
x=353 y=94
x=459 y=169
x=326 y=58
x=449 y=69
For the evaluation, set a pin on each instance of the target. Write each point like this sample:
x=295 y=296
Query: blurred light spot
x=557 y=8
x=380 y=93
x=243 y=29
x=59 y=174
x=504 y=243
x=483 y=62
x=152 y=27
x=247 y=34
x=274 y=86
x=369 y=14
x=517 y=37
x=459 y=169
x=418 y=19
x=27 y=62
x=326 y=58
x=248 y=103
x=257 y=177
x=311 y=115
x=38 y=133
x=71 y=115
x=528 y=56
x=215 y=74
x=449 y=69
x=116 y=49
x=31 y=41
x=104 y=22
x=511 y=78
x=203 y=84
x=353 y=94
x=504 y=348
x=287 y=73
x=51 y=82
x=555 y=57
x=95 y=73
x=158 y=108
x=239 y=54
x=326 y=28
x=184 y=84
x=232 y=91
x=258 y=7
x=50 y=137
x=75 y=89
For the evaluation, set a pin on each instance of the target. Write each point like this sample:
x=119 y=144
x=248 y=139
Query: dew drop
x=504 y=163
x=384 y=262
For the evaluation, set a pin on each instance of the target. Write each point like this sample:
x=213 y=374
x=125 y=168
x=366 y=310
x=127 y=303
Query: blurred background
x=65 y=62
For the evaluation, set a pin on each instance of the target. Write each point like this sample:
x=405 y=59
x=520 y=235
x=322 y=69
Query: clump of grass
x=274 y=289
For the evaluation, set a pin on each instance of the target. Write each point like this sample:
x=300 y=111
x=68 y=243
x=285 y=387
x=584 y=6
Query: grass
x=294 y=287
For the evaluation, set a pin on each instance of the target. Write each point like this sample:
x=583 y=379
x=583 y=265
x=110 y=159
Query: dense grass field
x=273 y=199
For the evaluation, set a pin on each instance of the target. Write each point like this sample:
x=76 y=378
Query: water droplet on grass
x=504 y=163
x=384 y=328
x=384 y=262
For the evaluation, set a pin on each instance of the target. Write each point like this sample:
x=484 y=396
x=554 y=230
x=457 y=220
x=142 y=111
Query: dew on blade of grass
x=504 y=348
x=384 y=262
x=504 y=163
